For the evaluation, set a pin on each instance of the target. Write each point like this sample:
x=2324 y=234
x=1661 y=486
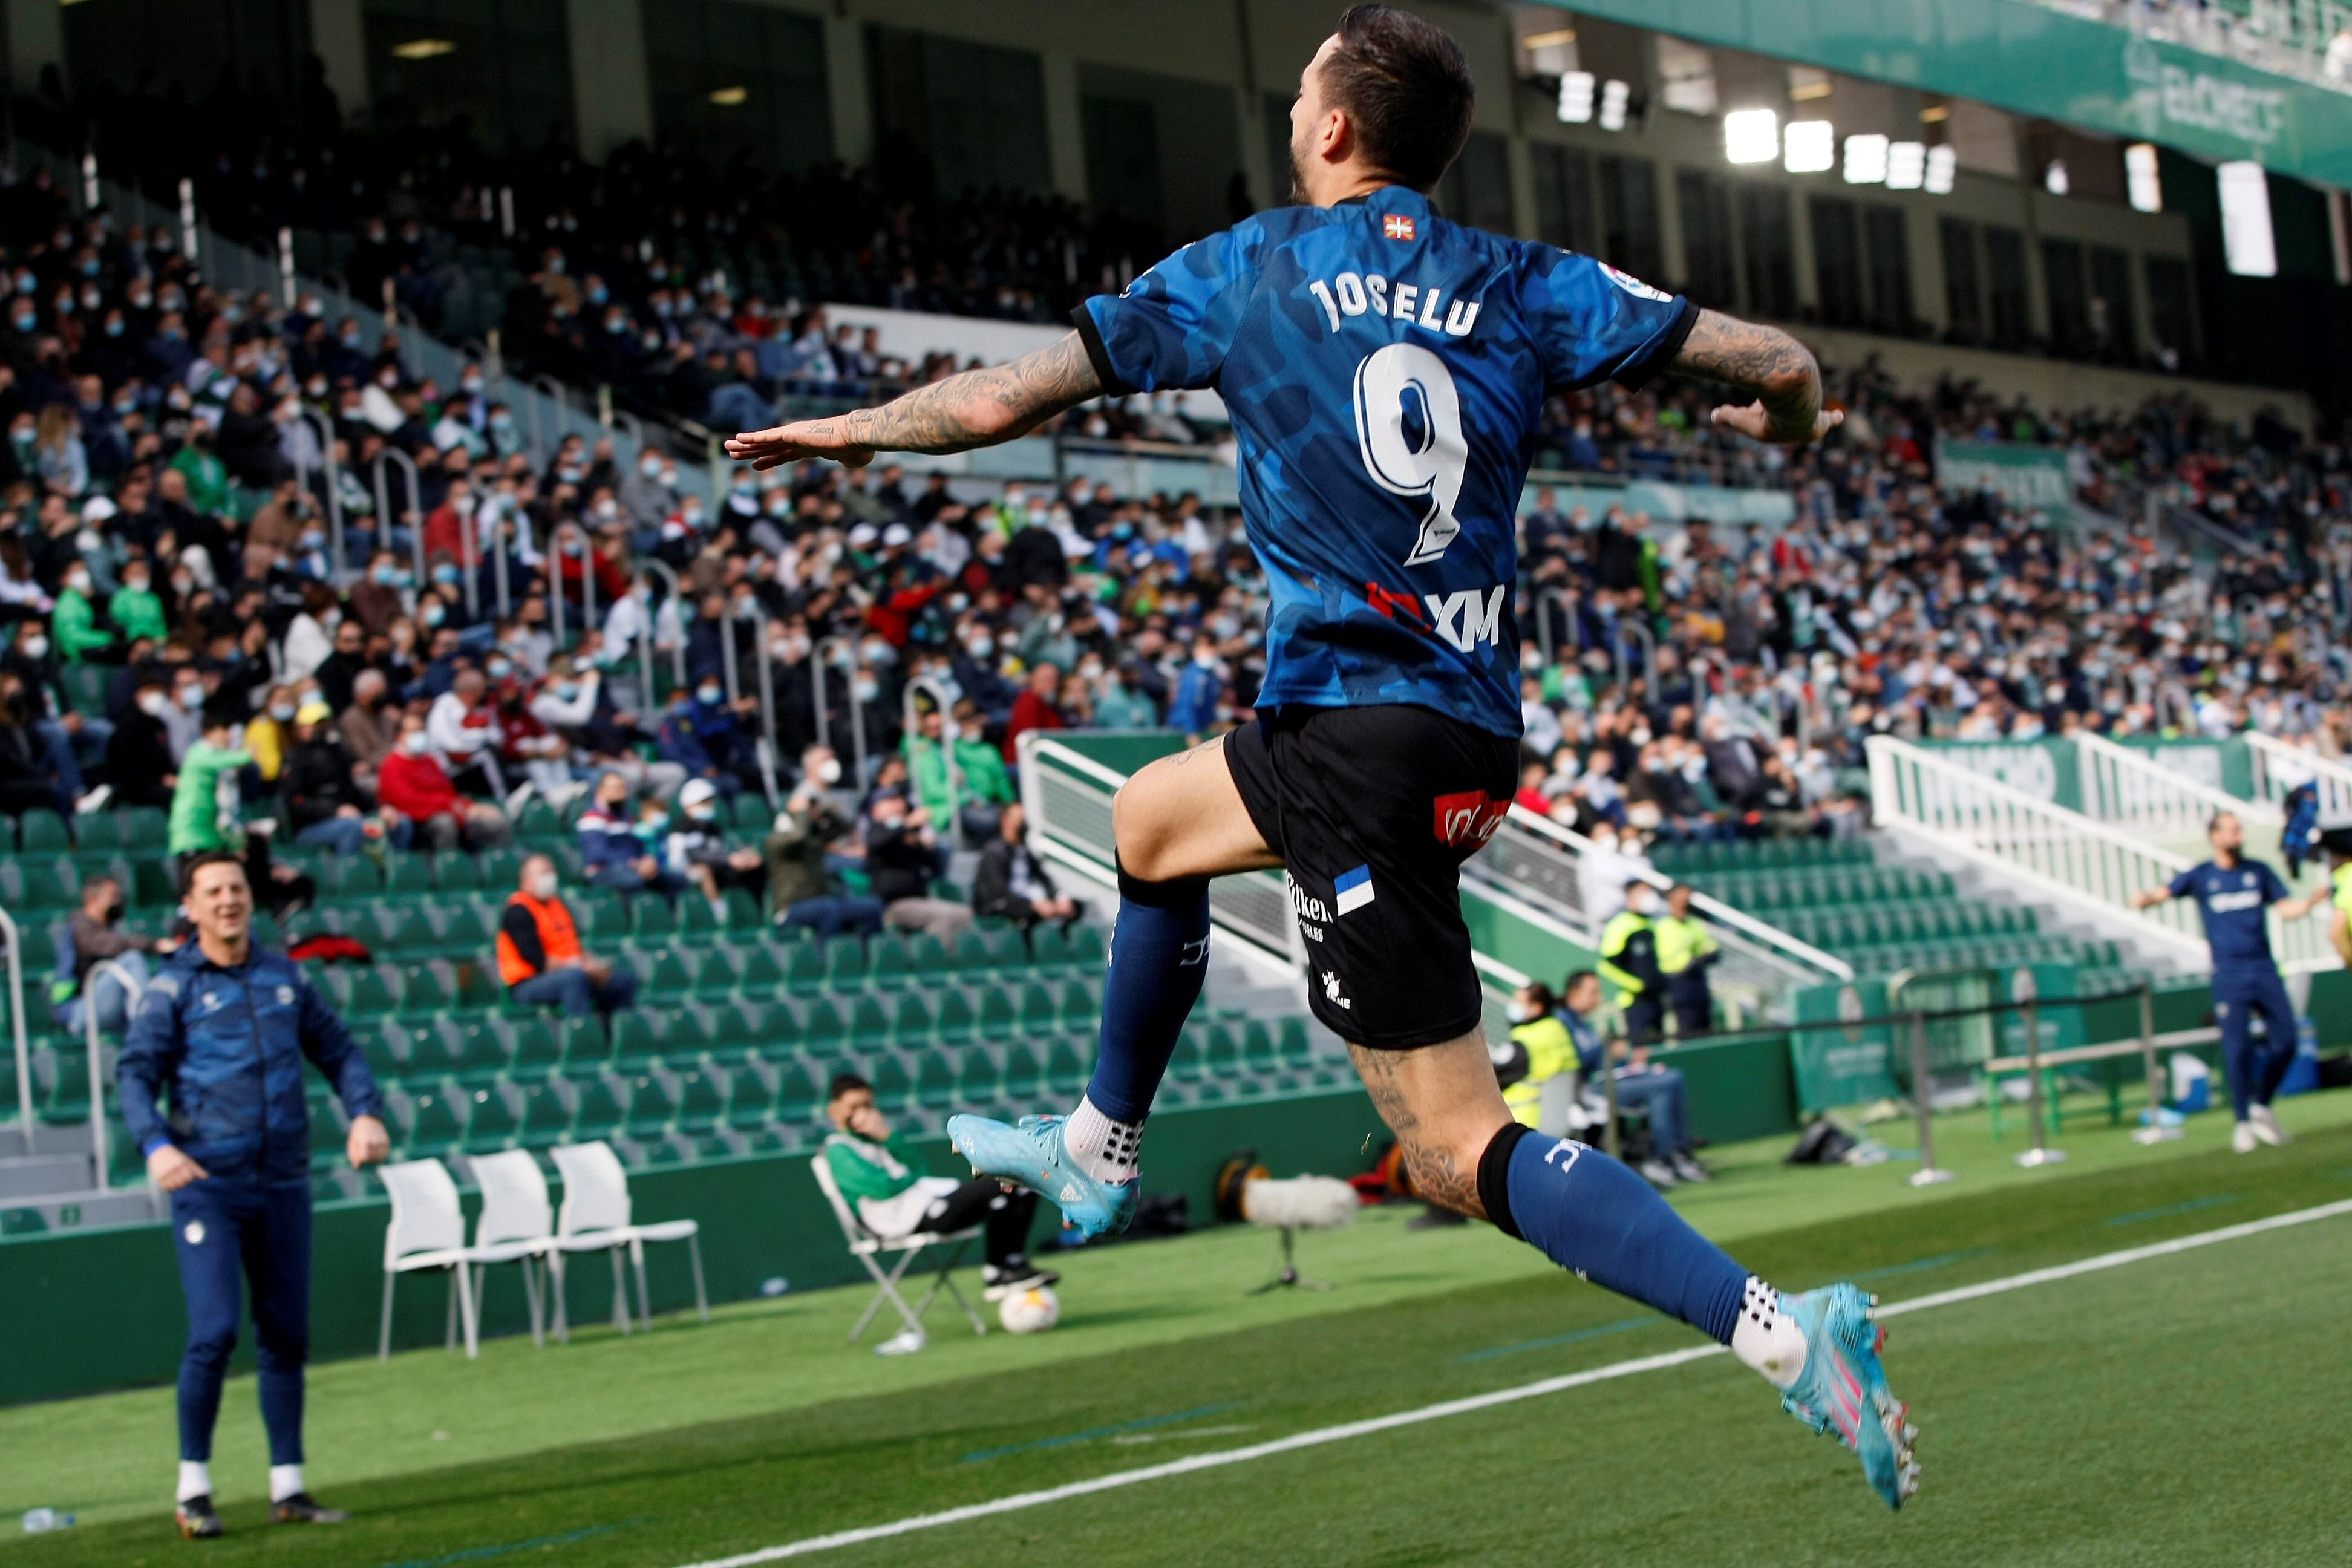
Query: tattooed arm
x=1766 y=361
x=976 y=408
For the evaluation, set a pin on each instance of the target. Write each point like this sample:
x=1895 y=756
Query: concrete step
x=27 y=1176
x=81 y=1210
x=71 y=1139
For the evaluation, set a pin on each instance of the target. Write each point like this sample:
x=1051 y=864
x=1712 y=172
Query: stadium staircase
x=2142 y=823
x=738 y=1023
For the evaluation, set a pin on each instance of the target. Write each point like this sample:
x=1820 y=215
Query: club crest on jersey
x=1634 y=286
x=1397 y=226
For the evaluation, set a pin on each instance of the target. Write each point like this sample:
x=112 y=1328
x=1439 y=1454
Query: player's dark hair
x=845 y=1083
x=1540 y=994
x=195 y=863
x=1405 y=88
x=1574 y=976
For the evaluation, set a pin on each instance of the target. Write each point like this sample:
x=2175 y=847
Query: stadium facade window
x=1477 y=189
x=1629 y=214
x=1768 y=253
x=2010 y=317
x=2069 y=294
x=2171 y=317
x=1964 y=312
x=1710 y=266
x=255 y=47
x=731 y=79
x=1563 y=180
x=951 y=116
x=2112 y=323
x=508 y=68
x=1837 y=260
x=1160 y=151
x=1886 y=236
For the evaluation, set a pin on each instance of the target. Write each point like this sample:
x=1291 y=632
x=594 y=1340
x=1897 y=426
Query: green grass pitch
x=2186 y=1409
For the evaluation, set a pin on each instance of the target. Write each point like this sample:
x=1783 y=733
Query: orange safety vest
x=559 y=939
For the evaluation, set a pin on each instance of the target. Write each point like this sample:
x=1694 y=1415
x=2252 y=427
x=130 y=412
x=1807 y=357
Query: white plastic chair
x=517 y=1225
x=866 y=1246
x=428 y=1231
x=595 y=1217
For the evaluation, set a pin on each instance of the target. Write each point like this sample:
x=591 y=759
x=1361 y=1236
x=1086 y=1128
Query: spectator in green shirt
x=75 y=619
x=980 y=790
x=205 y=801
x=887 y=1184
x=136 y=609
x=207 y=479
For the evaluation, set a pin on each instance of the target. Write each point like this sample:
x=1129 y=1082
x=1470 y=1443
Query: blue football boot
x=1843 y=1388
x=1030 y=1154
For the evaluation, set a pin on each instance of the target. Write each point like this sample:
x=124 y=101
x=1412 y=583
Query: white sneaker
x=2242 y=1138
x=2267 y=1128
x=94 y=801
x=1658 y=1173
x=906 y=1342
x=1688 y=1169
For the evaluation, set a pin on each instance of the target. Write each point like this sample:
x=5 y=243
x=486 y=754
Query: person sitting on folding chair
x=888 y=1182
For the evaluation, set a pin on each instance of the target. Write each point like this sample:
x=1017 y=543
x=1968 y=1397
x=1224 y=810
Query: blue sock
x=1588 y=1212
x=1158 y=960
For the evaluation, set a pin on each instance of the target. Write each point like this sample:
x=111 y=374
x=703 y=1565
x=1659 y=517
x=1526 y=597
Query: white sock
x=1767 y=1338
x=1104 y=1149
x=285 y=1481
x=196 y=1480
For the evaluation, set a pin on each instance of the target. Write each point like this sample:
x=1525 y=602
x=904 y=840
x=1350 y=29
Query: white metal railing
x=2073 y=859
x=2132 y=789
x=1543 y=856
x=130 y=984
x=1067 y=799
x=2280 y=766
x=14 y=935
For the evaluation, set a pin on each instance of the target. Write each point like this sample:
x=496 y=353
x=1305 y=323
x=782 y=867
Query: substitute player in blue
x=1385 y=370
x=223 y=1032
x=2234 y=895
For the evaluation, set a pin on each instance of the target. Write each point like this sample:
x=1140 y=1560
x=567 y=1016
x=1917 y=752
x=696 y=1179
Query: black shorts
x=1374 y=810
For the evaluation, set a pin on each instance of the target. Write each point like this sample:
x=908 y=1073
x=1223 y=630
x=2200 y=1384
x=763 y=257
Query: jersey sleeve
x=2184 y=886
x=2273 y=889
x=1590 y=323
x=1171 y=326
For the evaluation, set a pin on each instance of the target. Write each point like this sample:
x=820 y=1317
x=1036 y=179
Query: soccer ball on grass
x=1030 y=1311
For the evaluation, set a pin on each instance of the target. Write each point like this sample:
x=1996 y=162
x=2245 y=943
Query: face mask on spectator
x=690 y=515
x=780 y=505
x=501 y=668
x=865 y=688
x=153 y=703
x=565 y=690
x=282 y=711
x=543 y=885
x=415 y=743
x=314 y=538
x=23 y=321
x=650 y=467
x=192 y=696
x=702 y=812
x=34 y=648
x=828 y=772
x=386 y=575
x=136 y=582
x=78 y=582
x=432 y=614
x=709 y=693
x=471 y=385
x=445 y=572
x=26 y=282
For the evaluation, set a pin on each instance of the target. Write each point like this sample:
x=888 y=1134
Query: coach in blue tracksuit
x=223 y=1030
x=2234 y=894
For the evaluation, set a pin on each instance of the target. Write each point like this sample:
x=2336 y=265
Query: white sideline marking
x=1364 y=1428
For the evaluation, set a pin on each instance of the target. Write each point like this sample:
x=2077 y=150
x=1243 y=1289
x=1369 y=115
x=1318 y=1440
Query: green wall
x=90 y=1310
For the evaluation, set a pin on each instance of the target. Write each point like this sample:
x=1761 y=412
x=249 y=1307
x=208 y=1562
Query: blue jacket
x=607 y=840
x=229 y=1045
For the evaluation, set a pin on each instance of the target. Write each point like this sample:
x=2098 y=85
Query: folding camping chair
x=866 y=1246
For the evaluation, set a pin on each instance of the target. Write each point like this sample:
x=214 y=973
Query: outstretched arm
x=1766 y=361
x=976 y=408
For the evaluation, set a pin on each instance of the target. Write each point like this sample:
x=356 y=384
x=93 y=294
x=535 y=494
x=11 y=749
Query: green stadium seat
x=49 y=884
x=598 y=1112
x=1024 y=1079
x=327 y=1133
x=997 y=1022
x=385 y=1044
x=606 y=919
x=1081 y=1008
x=824 y=1029
x=700 y=1103
x=636 y=1041
x=454 y=871
x=1258 y=1054
x=805 y=972
x=980 y=1081
x=1293 y=1045
x=1221 y=1051
x=545 y=1121
x=349 y=878
x=752 y=813
x=1189 y=1060
x=587 y=1045
x=970 y=958
x=743 y=912
x=893 y=1085
x=408 y=877
x=869 y=1024
x=1038 y=1014
x=928 y=959
x=952 y=1020
x=777 y=1030
x=651 y=919
x=749 y=1101
x=797 y=1096
x=434 y=1123
x=935 y=1081
x=532 y=1049
x=493 y=1125
x=22 y=1222
x=497 y=871
x=1066 y=1068
x=760 y=971
x=1008 y=953
x=42 y=833
x=727 y=1033
x=697 y=922
x=429 y=1048
x=845 y=964
x=662 y=975
x=890 y=963
x=422 y=989
x=910 y=1021
x=715 y=972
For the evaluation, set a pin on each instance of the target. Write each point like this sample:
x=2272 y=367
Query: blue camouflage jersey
x=1385 y=370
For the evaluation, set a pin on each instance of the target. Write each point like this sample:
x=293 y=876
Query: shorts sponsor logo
x=1313 y=913
x=1351 y=891
x=1469 y=816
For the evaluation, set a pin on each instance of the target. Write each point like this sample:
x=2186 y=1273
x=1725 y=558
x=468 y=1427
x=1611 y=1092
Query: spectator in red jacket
x=1033 y=708
x=412 y=783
